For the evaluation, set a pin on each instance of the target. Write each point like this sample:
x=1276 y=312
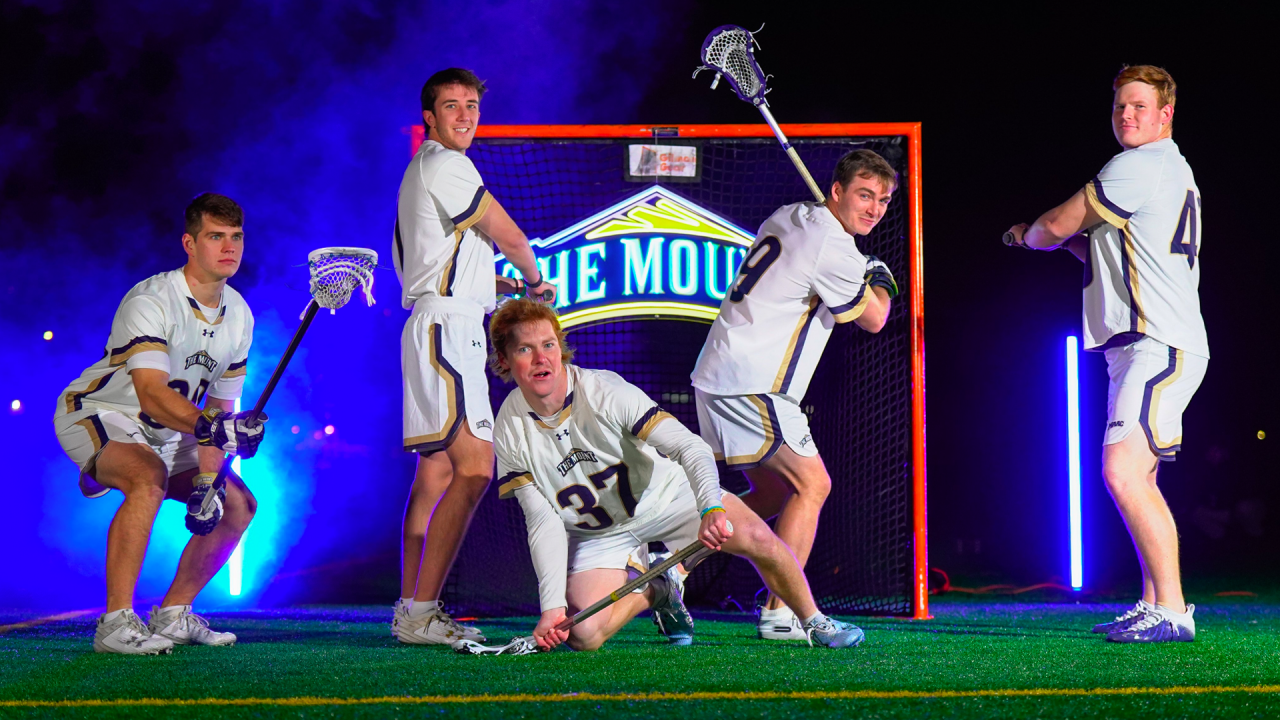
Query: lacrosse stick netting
x=337 y=271
x=730 y=51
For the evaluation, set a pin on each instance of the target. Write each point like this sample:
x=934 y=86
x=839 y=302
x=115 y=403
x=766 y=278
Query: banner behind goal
x=643 y=228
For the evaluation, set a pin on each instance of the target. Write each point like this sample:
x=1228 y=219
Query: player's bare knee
x=814 y=488
x=585 y=638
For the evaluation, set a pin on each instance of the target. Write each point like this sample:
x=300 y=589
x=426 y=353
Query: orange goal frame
x=915 y=238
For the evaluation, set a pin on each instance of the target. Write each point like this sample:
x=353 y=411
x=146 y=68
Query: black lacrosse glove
x=231 y=432
x=201 y=523
x=878 y=275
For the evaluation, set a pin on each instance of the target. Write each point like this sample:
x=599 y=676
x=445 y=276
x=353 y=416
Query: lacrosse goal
x=642 y=228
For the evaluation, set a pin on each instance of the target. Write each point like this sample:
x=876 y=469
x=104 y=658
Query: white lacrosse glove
x=231 y=432
x=201 y=522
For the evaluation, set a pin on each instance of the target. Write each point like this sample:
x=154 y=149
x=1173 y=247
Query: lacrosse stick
x=691 y=555
x=335 y=273
x=729 y=51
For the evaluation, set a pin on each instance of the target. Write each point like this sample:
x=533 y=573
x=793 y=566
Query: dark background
x=113 y=115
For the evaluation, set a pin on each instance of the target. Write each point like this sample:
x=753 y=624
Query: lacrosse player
x=446 y=226
x=132 y=422
x=803 y=275
x=1136 y=226
x=600 y=471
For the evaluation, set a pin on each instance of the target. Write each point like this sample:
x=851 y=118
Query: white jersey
x=159 y=325
x=436 y=249
x=803 y=275
x=1143 y=274
x=592 y=461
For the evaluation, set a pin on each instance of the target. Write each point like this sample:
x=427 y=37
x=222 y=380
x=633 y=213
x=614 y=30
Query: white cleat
x=780 y=624
x=184 y=627
x=399 y=612
x=435 y=628
x=127 y=635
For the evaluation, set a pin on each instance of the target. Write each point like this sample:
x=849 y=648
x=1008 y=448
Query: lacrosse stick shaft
x=221 y=480
x=695 y=551
x=791 y=153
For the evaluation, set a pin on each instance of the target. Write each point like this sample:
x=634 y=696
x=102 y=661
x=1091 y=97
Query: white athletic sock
x=781 y=613
x=421 y=608
x=814 y=618
x=108 y=617
x=174 y=609
x=1146 y=605
x=1176 y=615
x=406 y=602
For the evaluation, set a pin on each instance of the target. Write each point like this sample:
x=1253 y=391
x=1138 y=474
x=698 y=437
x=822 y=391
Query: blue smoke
x=123 y=112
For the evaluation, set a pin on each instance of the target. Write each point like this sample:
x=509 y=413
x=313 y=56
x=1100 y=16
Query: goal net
x=643 y=228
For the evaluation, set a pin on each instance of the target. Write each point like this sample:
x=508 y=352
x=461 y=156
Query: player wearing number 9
x=600 y=471
x=804 y=275
x=1137 y=228
x=130 y=423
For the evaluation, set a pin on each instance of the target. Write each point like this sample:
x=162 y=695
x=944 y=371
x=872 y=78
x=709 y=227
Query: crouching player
x=131 y=422
x=600 y=471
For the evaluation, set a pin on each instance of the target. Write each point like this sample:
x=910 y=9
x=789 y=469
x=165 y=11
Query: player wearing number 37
x=131 y=422
x=1140 y=219
x=600 y=471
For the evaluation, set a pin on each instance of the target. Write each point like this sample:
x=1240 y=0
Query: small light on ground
x=1262 y=434
x=296 y=429
x=328 y=429
x=48 y=334
x=16 y=405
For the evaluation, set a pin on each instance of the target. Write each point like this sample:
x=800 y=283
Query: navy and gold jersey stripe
x=507 y=484
x=141 y=344
x=97 y=433
x=560 y=416
x=772 y=437
x=454 y=398
x=461 y=223
x=796 y=347
x=1128 y=264
x=851 y=310
x=74 y=400
x=1148 y=417
x=649 y=421
x=195 y=308
x=1106 y=209
x=236 y=369
x=476 y=210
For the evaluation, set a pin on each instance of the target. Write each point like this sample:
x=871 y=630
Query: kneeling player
x=600 y=470
x=131 y=423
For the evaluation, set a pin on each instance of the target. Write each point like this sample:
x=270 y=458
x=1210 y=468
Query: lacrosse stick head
x=518 y=646
x=337 y=271
x=729 y=50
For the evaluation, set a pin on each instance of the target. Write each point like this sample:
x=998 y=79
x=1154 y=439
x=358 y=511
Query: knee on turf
x=585 y=638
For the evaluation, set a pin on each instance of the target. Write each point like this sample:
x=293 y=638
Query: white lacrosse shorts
x=1151 y=385
x=443 y=352
x=676 y=525
x=744 y=431
x=84 y=433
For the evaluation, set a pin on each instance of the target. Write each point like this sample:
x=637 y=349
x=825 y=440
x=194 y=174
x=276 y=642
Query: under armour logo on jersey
x=207 y=332
x=562 y=435
x=202 y=358
x=484 y=424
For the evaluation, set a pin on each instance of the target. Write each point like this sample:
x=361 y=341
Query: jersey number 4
x=587 y=504
x=1187 y=236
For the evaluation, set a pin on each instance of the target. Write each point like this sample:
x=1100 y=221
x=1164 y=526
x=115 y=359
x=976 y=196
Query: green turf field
x=978 y=658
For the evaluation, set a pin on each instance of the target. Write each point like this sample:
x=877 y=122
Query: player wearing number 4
x=600 y=471
x=131 y=423
x=803 y=275
x=446 y=226
x=1141 y=222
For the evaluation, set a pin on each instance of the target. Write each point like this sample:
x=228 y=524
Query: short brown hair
x=864 y=164
x=1157 y=77
x=218 y=207
x=503 y=324
x=445 y=78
